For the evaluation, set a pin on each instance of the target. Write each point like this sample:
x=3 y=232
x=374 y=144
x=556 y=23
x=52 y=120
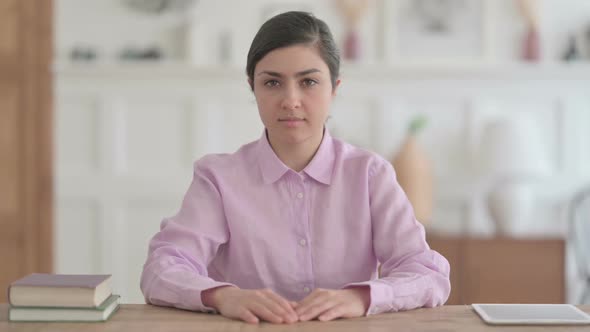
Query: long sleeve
x=175 y=272
x=413 y=275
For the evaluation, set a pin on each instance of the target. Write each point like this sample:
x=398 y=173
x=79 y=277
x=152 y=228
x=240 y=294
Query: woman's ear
x=336 y=85
x=251 y=84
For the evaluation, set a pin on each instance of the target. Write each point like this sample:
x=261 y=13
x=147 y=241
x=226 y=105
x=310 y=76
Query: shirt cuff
x=381 y=296
x=192 y=298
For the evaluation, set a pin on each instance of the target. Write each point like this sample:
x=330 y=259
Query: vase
x=414 y=174
x=352 y=45
x=531 y=48
x=510 y=205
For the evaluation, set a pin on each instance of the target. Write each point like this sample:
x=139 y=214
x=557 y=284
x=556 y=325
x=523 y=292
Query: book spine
x=8 y=294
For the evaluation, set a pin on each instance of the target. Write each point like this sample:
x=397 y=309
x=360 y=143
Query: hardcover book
x=60 y=290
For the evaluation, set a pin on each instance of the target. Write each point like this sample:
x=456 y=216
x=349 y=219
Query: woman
x=291 y=227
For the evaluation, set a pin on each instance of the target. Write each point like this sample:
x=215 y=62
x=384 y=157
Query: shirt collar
x=319 y=168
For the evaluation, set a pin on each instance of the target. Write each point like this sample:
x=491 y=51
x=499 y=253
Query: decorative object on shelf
x=352 y=11
x=578 y=46
x=514 y=158
x=531 y=50
x=571 y=53
x=135 y=54
x=414 y=172
x=159 y=6
x=83 y=53
x=176 y=11
x=437 y=32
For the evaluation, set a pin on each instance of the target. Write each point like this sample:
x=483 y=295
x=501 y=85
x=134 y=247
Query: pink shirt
x=250 y=221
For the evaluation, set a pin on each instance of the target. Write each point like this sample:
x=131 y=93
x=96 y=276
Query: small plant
x=417 y=124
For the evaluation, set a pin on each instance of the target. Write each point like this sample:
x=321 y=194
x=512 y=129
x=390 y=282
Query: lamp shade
x=513 y=147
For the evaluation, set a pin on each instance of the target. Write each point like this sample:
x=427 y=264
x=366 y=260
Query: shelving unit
x=549 y=71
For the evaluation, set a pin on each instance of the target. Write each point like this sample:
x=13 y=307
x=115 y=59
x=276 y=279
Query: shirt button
x=300 y=195
x=302 y=242
x=306 y=289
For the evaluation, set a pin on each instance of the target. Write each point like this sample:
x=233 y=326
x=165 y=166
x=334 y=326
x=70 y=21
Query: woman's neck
x=296 y=156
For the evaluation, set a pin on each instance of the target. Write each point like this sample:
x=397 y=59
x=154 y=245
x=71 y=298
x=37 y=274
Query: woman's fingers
x=316 y=297
x=317 y=309
x=254 y=305
x=247 y=316
x=262 y=311
x=287 y=311
x=307 y=302
x=276 y=308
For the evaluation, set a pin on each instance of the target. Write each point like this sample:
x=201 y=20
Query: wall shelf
x=508 y=71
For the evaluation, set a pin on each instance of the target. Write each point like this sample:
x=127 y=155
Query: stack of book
x=62 y=297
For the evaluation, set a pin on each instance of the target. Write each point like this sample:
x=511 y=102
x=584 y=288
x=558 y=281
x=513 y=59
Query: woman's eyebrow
x=301 y=73
x=270 y=73
x=308 y=71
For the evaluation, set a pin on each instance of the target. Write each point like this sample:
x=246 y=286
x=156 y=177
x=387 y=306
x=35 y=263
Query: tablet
x=531 y=314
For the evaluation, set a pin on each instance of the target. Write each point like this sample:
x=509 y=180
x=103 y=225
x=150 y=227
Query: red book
x=60 y=290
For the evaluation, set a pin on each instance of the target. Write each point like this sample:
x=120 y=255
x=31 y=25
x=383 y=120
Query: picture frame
x=437 y=32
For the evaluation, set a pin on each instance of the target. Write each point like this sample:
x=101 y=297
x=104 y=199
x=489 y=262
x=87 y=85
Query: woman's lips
x=292 y=122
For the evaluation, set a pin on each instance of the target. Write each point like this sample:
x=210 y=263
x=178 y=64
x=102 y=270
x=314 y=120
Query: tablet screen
x=531 y=314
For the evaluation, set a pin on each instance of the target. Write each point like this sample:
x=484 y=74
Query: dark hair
x=293 y=28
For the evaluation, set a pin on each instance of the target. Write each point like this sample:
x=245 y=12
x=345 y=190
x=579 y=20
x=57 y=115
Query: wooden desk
x=147 y=318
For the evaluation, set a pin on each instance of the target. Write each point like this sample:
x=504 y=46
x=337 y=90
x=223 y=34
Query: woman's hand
x=327 y=304
x=250 y=305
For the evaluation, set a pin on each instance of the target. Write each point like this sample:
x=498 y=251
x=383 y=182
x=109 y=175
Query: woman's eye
x=308 y=82
x=271 y=83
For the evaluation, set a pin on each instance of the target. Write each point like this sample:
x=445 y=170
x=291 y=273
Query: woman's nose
x=291 y=99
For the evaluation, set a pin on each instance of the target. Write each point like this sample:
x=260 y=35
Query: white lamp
x=513 y=156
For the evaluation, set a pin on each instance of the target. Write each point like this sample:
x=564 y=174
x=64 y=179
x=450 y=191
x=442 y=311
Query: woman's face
x=294 y=92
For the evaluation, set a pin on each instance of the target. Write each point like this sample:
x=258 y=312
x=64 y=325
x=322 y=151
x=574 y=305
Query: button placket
x=301 y=203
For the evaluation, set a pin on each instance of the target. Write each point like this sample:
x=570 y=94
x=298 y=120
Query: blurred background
x=483 y=107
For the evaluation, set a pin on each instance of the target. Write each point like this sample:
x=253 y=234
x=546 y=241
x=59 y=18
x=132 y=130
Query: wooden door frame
x=26 y=53
x=37 y=133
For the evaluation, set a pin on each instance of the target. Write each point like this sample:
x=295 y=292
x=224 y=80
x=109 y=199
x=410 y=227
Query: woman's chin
x=294 y=136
